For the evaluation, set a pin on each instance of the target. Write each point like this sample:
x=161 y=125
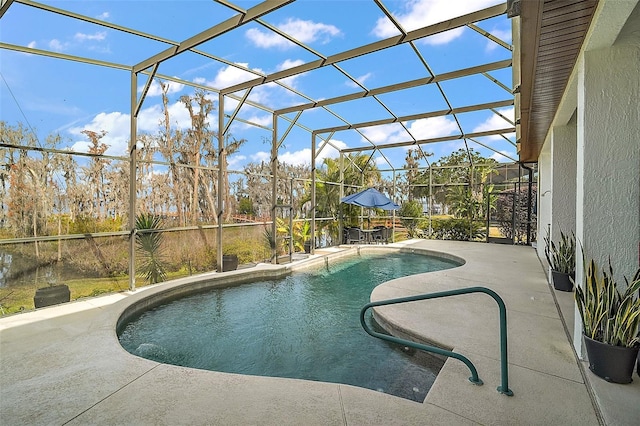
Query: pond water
x=304 y=326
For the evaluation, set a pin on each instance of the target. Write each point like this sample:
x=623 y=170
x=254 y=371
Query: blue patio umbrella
x=371 y=198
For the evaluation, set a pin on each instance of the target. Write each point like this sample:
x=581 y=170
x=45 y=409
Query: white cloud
x=297 y=157
x=32 y=45
x=266 y=39
x=424 y=128
x=99 y=36
x=57 y=45
x=495 y=122
x=362 y=79
x=500 y=157
x=150 y=118
x=433 y=127
x=309 y=31
x=230 y=75
x=104 y=15
x=381 y=162
x=301 y=30
x=504 y=35
x=156 y=90
x=235 y=160
x=288 y=64
x=420 y=13
x=116 y=124
x=261 y=156
x=262 y=120
x=385 y=133
x=303 y=156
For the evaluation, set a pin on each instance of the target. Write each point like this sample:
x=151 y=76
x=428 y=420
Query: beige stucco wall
x=590 y=163
x=564 y=145
x=609 y=156
x=544 y=196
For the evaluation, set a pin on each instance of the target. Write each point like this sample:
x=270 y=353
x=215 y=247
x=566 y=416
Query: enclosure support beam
x=459 y=21
x=213 y=32
x=274 y=187
x=313 y=193
x=221 y=186
x=132 y=179
x=393 y=212
x=341 y=223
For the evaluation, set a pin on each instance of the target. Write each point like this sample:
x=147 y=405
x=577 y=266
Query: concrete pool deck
x=64 y=365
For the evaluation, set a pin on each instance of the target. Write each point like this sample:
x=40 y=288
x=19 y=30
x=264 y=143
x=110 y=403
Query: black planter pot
x=562 y=281
x=307 y=246
x=612 y=363
x=52 y=295
x=229 y=262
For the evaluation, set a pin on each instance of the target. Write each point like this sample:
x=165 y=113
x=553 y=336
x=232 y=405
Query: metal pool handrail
x=504 y=387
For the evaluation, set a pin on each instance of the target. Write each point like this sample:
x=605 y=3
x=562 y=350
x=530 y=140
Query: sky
x=58 y=96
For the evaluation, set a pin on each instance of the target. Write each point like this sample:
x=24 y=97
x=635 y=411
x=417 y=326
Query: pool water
x=304 y=326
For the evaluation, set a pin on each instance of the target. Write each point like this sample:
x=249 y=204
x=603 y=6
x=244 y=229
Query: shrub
x=504 y=213
x=456 y=229
x=411 y=216
x=149 y=246
x=88 y=225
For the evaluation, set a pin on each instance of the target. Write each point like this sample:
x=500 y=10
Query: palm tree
x=149 y=246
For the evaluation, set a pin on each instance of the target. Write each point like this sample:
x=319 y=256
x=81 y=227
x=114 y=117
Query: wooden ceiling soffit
x=551 y=35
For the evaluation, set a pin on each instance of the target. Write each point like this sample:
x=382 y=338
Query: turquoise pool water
x=304 y=326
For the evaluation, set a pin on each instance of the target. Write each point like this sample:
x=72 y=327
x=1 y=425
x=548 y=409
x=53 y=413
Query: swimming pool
x=304 y=326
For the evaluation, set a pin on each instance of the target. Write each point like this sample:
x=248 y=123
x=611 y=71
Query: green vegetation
x=609 y=315
x=149 y=244
x=410 y=216
x=561 y=257
x=457 y=229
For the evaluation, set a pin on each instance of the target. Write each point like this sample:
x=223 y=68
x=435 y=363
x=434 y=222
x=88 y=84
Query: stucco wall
x=564 y=179
x=544 y=195
x=608 y=207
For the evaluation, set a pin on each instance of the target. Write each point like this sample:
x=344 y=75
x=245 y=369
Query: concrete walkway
x=64 y=365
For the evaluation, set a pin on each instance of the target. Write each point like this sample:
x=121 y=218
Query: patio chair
x=354 y=235
x=381 y=234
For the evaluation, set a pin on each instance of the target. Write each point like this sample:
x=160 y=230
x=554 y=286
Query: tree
x=94 y=174
x=167 y=144
x=410 y=216
x=258 y=187
x=245 y=206
x=149 y=246
x=197 y=139
x=231 y=146
x=461 y=180
x=414 y=180
x=359 y=171
x=505 y=215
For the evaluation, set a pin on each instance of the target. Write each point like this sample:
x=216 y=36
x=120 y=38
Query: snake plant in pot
x=610 y=323
x=562 y=260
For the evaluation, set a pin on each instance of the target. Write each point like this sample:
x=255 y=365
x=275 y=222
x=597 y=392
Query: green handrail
x=504 y=387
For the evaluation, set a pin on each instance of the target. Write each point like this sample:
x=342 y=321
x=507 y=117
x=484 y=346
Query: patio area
x=64 y=365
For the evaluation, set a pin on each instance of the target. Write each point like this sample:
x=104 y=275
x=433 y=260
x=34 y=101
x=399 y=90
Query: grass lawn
x=20 y=298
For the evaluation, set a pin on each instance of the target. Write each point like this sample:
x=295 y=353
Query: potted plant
x=562 y=260
x=610 y=323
